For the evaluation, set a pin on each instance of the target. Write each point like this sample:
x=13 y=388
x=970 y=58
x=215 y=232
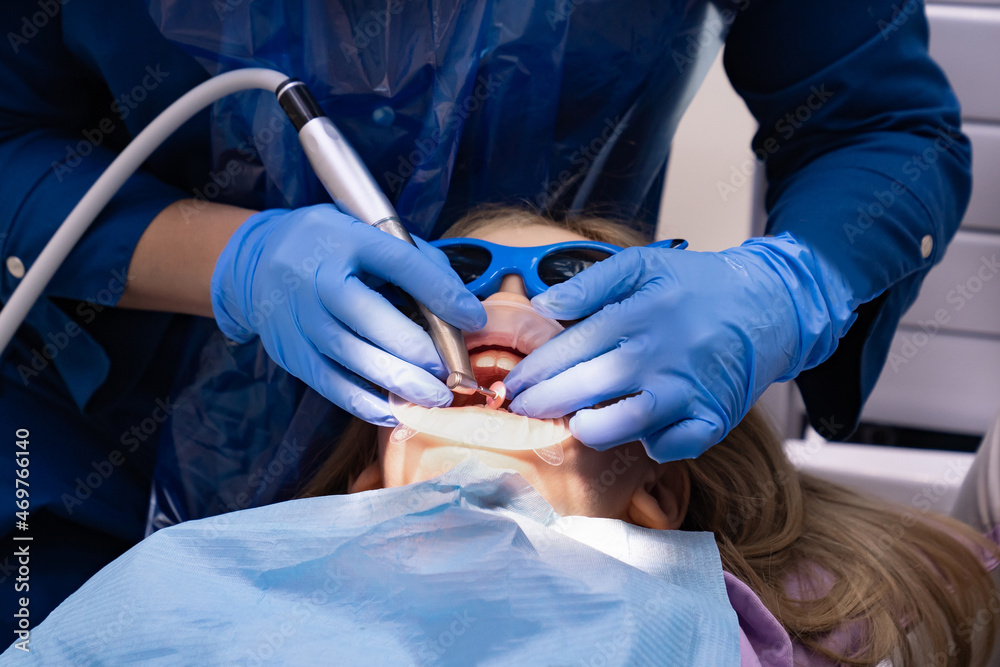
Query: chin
x=422 y=457
x=582 y=485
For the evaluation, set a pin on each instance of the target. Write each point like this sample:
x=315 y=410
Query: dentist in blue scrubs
x=568 y=105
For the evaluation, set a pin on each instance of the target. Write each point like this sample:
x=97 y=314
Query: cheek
x=392 y=458
x=612 y=474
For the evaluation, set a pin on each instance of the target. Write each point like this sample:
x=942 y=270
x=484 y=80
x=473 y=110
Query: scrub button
x=384 y=116
x=15 y=266
x=926 y=245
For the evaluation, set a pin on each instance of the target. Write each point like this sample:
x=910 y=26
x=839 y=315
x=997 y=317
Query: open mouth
x=490 y=363
x=513 y=330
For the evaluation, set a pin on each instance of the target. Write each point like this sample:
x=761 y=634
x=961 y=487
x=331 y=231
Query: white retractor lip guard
x=480 y=426
x=512 y=324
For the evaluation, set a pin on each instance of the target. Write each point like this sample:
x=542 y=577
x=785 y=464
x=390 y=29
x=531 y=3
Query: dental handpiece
x=356 y=193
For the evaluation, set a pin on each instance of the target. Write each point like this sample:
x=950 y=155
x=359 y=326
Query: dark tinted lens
x=469 y=261
x=562 y=265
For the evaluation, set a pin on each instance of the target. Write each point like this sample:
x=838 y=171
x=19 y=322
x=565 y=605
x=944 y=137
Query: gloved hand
x=700 y=336
x=297 y=278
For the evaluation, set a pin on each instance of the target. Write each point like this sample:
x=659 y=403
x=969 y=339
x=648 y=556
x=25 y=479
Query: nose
x=512 y=285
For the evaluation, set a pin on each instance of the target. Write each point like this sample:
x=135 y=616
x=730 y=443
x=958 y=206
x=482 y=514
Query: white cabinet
x=984 y=208
x=965 y=41
x=944 y=370
x=962 y=293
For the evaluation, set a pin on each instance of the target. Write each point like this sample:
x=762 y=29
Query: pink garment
x=764 y=643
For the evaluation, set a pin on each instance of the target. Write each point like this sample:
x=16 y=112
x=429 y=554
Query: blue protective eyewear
x=482 y=265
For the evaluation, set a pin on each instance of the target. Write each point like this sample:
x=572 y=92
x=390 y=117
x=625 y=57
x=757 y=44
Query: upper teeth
x=495 y=359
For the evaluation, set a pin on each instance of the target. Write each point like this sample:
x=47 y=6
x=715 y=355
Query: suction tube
x=120 y=170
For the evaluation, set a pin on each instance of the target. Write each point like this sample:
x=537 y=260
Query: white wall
x=711 y=145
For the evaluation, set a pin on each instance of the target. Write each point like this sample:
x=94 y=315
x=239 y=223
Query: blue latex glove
x=699 y=336
x=300 y=279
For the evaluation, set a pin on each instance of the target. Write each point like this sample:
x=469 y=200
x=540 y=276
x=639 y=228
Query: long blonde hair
x=913 y=585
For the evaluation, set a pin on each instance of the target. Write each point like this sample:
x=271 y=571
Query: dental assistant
x=569 y=106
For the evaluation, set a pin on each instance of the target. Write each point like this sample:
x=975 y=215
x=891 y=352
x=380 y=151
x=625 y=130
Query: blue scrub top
x=847 y=100
x=569 y=105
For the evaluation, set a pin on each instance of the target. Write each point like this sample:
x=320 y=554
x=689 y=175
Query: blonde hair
x=914 y=586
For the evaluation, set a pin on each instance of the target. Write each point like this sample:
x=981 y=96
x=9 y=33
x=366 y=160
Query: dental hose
x=335 y=162
x=120 y=170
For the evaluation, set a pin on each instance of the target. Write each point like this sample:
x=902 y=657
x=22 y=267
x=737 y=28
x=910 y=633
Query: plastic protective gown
x=567 y=104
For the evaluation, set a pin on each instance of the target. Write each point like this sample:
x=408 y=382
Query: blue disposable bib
x=471 y=567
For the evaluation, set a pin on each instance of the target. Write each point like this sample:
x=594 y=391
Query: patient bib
x=471 y=567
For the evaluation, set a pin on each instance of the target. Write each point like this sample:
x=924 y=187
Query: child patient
x=851 y=580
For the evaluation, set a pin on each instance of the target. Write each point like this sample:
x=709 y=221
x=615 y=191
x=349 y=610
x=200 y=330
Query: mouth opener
x=356 y=193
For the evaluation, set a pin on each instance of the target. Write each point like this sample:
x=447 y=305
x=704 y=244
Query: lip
x=502 y=339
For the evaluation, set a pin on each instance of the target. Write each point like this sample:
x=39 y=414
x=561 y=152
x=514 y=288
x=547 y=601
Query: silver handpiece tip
x=463 y=384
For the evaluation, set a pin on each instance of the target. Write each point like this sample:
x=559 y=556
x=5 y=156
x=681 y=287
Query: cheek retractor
x=512 y=324
x=508 y=324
